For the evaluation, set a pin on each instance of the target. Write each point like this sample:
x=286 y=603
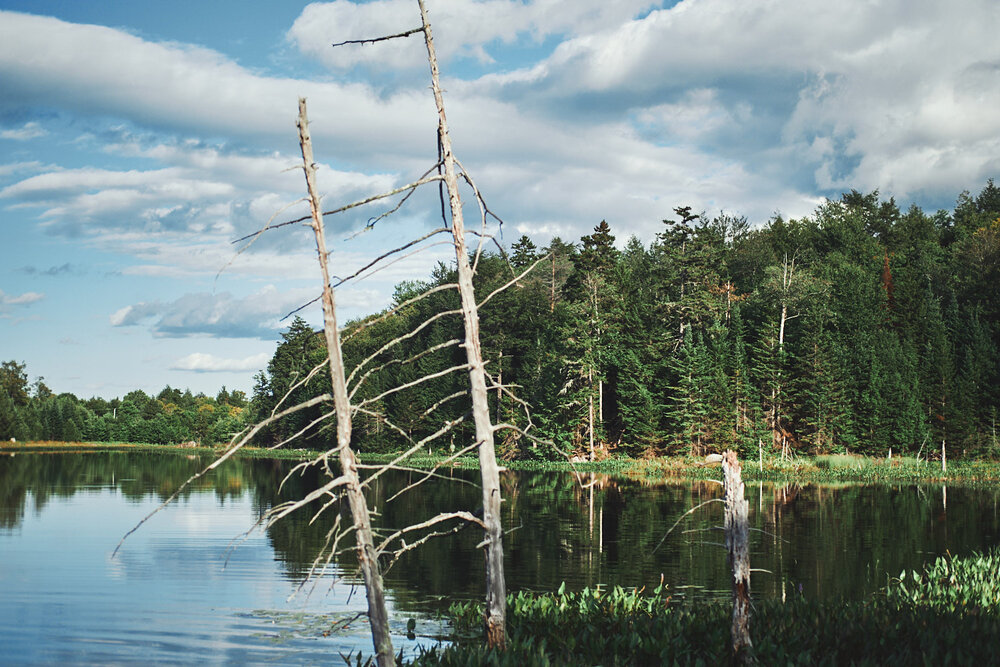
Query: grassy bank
x=801 y=469
x=947 y=614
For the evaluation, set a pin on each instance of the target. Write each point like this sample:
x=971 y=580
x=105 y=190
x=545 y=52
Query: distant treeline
x=862 y=327
x=34 y=412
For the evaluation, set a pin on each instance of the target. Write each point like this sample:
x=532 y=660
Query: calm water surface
x=178 y=592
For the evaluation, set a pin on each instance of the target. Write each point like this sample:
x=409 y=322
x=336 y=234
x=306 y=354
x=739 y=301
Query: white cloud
x=17 y=167
x=201 y=362
x=469 y=28
x=720 y=104
x=218 y=315
x=883 y=83
x=21 y=299
x=100 y=71
x=30 y=130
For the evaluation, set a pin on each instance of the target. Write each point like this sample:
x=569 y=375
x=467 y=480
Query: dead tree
x=496 y=592
x=365 y=548
x=347 y=482
x=738 y=558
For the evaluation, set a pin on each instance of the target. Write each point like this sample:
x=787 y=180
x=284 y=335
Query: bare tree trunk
x=552 y=300
x=600 y=381
x=781 y=329
x=496 y=589
x=367 y=557
x=590 y=410
x=787 y=273
x=739 y=556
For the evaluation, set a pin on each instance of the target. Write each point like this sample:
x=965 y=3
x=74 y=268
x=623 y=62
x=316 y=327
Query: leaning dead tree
x=394 y=544
x=352 y=394
x=349 y=478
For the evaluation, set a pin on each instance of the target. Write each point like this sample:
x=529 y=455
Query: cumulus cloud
x=902 y=95
x=180 y=219
x=462 y=28
x=718 y=104
x=201 y=362
x=100 y=71
x=21 y=299
x=30 y=130
x=218 y=315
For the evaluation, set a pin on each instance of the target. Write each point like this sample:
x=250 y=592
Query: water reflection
x=586 y=530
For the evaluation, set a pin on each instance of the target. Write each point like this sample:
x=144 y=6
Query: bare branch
x=303 y=430
x=380 y=39
x=384 y=316
x=397 y=259
x=479 y=196
x=378 y=259
x=256 y=235
x=450 y=397
x=382 y=418
x=413 y=383
x=444 y=516
x=400 y=339
x=302 y=307
x=347 y=207
x=403 y=362
x=513 y=281
x=433 y=471
x=304 y=381
x=414 y=449
x=219 y=461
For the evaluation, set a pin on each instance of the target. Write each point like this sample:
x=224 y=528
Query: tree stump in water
x=736 y=525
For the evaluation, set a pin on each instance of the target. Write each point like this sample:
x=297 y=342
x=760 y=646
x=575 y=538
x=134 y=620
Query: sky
x=139 y=140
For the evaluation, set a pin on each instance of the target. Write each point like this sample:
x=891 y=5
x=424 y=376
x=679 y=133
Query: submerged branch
x=696 y=507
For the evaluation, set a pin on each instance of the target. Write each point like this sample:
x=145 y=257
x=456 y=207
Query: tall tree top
x=523 y=252
x=598 y=252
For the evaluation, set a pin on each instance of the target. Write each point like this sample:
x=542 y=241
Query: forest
x=861 y=328
x=31 y=411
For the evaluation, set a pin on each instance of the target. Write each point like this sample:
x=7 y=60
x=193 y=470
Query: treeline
x=859 y=328
x=34 y=412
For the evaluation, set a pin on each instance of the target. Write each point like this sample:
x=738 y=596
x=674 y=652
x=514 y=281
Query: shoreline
x=800 y=469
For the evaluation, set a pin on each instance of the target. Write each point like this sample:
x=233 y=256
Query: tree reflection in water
x=587 y=530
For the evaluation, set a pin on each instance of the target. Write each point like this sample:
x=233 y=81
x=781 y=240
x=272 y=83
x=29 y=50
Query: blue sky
x=137 y=140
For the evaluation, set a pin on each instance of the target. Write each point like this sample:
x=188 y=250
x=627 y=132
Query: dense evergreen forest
x=34 y=412
x=860 y=328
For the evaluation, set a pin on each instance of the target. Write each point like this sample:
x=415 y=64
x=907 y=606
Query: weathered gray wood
x=496 y=589
x=367 y=556
x=736 y=526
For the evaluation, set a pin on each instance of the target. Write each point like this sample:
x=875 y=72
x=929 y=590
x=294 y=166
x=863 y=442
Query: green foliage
x=860 y=329
x=171 y=417
x=969 y=584
x=949 y=614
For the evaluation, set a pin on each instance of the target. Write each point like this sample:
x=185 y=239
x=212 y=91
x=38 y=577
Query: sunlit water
x=177 y=592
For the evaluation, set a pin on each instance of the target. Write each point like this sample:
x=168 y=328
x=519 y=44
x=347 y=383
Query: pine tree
x=689 y=396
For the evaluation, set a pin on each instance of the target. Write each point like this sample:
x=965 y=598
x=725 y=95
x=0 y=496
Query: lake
x=193 y=585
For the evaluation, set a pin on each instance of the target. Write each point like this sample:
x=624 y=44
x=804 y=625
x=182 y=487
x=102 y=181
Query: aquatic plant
x=970 y=584
x=947 y=614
